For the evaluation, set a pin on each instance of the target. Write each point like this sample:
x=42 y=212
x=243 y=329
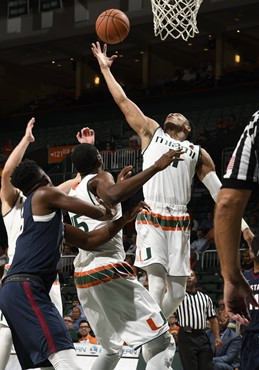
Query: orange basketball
x=112 y=26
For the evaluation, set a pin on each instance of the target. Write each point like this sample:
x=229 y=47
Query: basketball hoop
x=175 y=18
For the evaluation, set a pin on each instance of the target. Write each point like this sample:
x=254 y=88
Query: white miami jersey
x=13 y=221
x=114 y=247
x=171 y=186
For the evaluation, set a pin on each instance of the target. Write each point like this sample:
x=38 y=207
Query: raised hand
x=86 y=135
x=28 y=132
x=166 y=159
x=103 y=60
x=132 y=212
x=125 y=173
x=237 y=296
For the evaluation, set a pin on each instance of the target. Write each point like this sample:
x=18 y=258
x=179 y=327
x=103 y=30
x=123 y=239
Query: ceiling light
x=53 y=62
x=121 y=56
x=97 y=80
x=238 y=31
x=237 y=58
x=59 y=65
x=71 y=59
x=236 y=19
x=136 y=60
x=210 y=36
x=141 y=52
x=189 y=44
x=205 y=49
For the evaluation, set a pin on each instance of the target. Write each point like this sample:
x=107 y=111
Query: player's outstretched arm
x=49 y=198
x=140 y=123
x=104 y=187
x=8 y=191
x=93 y=239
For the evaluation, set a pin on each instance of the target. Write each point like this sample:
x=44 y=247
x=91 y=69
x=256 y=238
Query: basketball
x=112 y=26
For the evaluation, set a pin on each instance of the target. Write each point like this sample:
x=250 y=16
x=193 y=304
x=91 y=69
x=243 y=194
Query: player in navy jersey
x=250 y=342
x=39 y=334
x=240 y=179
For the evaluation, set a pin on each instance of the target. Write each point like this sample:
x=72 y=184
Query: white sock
x=106 y=361
x=156 y=282
x=5 y=346
x=176 y=286
x=65 y=360
x=159 y=353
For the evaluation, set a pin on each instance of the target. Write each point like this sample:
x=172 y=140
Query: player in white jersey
x=12 y=204
x=117 y=306
x=163 y=235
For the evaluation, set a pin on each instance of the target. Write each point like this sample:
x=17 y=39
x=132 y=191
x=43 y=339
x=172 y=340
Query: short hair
x=26 y=175
x=85 y=158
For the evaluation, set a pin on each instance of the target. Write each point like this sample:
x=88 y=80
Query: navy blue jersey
x=253 y=280
x=38 y=247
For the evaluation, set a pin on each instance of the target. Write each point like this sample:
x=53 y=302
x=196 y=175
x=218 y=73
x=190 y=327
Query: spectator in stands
x=84 y=333
x=250 y=347
x=77 y=316
x=232 y=122
x=173 y=327
x=226 y=357
x=7 y=148
x=203 y=138
x=75 y=303
x=206 y=224
x=134 y=142
x=253 y=223
x=221 y=125
x=201 y=244
x=193 y=343
x=69 y=324
x=67 y=250
x=189 y=75
x=246 y=260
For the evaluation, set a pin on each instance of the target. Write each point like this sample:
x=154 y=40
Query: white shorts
x=163 y=236
x=3 y=321
x=117 y=306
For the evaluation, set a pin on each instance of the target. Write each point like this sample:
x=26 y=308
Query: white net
x=175 y=18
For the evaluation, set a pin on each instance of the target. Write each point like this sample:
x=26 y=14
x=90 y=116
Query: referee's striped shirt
x=195 y=310
x=242 y=170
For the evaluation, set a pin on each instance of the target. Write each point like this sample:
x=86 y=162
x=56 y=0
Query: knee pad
x=160 y=344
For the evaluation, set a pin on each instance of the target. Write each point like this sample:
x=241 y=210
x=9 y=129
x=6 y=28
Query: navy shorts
x=37 y=328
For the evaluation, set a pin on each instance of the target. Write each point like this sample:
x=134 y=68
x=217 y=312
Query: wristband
x=244 y=225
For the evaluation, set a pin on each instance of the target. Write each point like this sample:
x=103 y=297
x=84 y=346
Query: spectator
x=226 y=357
x=77 y=317
x=84 y=333
x=7 y=148
x=203 y=137
x=201 y=244
x=221 y=125
x=67 y=250
x=253 y=223
x=193 y=343
x=75 y=303
x=250 y=347
x=207 y=223
x=134 y=142
x=246 y=260
x=173 y=327
x=232 y=122
x=69 y=324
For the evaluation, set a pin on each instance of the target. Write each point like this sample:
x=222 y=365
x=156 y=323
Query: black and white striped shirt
x=195 y=310
x=242 y=171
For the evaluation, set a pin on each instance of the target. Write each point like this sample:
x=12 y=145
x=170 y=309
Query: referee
x=193 y=343
x=240 y=179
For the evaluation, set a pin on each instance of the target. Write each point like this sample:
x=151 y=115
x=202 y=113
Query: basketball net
x=175 y=18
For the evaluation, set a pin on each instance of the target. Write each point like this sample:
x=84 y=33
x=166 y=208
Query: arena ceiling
x=239 y=24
